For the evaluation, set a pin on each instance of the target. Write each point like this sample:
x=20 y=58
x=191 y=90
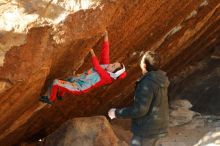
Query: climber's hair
x=152 y=61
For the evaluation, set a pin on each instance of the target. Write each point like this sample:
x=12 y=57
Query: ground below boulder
x=184 y=130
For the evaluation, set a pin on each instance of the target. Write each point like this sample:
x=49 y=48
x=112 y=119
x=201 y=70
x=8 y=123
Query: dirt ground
x=201 y=131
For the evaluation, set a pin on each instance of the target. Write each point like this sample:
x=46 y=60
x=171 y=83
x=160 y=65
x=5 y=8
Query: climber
x=97 y=76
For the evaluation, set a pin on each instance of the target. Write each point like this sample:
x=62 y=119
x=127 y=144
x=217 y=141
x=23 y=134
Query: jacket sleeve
x=142 y=102
x=104 y=57
x=97 y=67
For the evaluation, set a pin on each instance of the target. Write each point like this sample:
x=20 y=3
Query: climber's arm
x=92 y=53
x=96 y=64
x=104 y=58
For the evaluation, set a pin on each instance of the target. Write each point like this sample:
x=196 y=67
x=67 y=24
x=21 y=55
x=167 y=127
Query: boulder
x=179 y=103
x=85 y=131
x=180 y=113
x=43 y=40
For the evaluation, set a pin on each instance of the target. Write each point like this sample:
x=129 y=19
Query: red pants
x=60 y=87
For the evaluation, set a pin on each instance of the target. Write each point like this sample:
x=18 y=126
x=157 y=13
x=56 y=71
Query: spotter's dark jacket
x=149 y=111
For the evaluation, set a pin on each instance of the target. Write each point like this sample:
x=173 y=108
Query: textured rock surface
x=180 y=113
x=36 y=51
x=199 y=83
x=91 y=131
x=178 y=103
x=122 y=128
x=181 y=116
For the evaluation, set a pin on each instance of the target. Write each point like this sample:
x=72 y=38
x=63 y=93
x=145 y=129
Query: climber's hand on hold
x=106 y=35
x=92 y=52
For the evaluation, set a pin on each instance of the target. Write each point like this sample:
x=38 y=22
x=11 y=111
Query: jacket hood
x=159 y=77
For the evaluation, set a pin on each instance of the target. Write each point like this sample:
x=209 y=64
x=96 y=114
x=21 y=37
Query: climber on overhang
x=100 y=75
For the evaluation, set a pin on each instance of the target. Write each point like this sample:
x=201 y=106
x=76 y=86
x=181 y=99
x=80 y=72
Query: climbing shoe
x=45 y=99
x=60 y=98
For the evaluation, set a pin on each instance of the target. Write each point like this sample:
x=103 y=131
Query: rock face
x=91 y=131
x=122 y=128
x=43 y=40
x=199 y=83
x=180 y=113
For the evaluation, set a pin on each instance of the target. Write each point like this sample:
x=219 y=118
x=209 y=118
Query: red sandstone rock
x=181 y=31
x=90 y=131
